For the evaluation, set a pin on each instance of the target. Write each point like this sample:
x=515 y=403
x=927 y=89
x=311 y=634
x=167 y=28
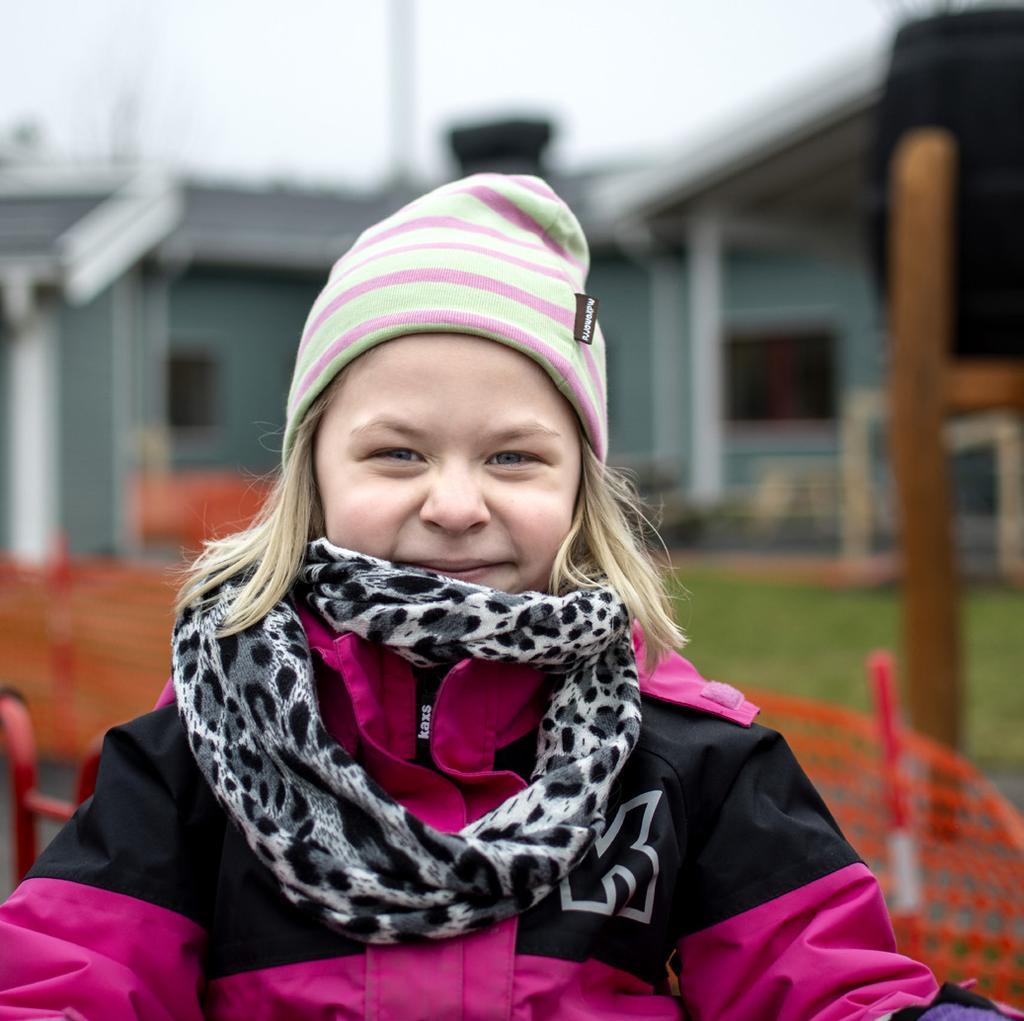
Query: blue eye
x=510 y=457
x=399 y=454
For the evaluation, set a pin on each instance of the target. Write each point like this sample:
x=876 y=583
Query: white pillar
x=667 y=397
x=704 y=251
x=125 y=438
x=32 y=417
x=402 y=44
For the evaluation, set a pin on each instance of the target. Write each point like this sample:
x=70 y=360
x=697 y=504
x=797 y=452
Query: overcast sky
x=301 y=90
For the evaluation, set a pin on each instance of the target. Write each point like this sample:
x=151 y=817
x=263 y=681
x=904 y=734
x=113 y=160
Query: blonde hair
x=605 y=545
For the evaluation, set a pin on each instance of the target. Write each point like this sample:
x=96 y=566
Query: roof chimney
x=506 y=146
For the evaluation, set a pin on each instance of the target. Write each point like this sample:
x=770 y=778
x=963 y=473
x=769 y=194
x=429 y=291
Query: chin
x=518 y=586
x=500 y=579
x=504 y=580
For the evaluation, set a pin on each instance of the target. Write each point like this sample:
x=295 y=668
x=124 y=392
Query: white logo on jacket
x=648 y=802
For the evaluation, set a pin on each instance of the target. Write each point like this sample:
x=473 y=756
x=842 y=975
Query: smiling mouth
x=458 y=570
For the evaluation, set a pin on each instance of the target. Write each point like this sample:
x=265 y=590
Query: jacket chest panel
x=617 y=906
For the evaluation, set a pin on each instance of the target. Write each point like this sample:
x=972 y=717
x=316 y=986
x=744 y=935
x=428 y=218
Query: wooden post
x=921 y=289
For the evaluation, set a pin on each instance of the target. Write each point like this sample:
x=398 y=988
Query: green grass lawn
x=812 y=641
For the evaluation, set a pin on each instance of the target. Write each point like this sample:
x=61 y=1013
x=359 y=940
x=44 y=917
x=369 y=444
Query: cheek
x=543 y=523
x=357 y=519
x=538 y=538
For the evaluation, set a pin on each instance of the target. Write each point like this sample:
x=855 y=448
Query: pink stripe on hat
x=537 y=186
x=555 y=272
x=508 y=209
x=456 y=278
x=441 y=222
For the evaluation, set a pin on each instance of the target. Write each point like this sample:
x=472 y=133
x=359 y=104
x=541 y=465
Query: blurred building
x=150 y=323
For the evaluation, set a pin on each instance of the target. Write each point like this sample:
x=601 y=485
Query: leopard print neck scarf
x=337 y=843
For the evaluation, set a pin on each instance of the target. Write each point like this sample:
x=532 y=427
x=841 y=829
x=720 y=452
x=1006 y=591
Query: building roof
x=79 y=228
x=276 y=228
x=802 y=149
x=31 y=226
x=289 y=228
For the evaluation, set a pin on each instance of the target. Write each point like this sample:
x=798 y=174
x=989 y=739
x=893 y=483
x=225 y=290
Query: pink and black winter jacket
x=718 y=853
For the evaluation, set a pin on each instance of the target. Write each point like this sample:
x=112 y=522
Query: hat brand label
x=586 y=318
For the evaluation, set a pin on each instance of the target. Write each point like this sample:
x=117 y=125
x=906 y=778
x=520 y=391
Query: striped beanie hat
x=493 y=255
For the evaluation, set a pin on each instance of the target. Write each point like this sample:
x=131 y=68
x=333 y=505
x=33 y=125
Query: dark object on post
x=507 y=146
x=965 y=72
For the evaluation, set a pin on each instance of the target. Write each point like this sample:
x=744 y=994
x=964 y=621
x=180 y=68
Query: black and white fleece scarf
x=337 y=843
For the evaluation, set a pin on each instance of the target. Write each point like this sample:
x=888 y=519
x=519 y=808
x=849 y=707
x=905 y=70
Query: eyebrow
x=519 y=431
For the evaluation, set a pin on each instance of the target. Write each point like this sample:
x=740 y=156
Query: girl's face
x=453 y=453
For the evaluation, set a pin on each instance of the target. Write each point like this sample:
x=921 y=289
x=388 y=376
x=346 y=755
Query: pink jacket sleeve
x=96 y=954
x=822 y=952
x=109 y=923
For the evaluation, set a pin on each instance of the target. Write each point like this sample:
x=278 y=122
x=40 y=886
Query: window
x=191 y=391
x=780 y=376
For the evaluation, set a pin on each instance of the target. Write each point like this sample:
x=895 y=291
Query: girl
x=429 y=752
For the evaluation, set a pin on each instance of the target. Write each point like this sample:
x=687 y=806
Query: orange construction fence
x=968 y=839
x=88 y=645
x=181 y=509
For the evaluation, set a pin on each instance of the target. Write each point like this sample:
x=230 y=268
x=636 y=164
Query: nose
x=455 y=501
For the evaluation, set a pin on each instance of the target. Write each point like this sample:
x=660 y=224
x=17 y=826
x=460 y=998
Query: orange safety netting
x=88 y=645
x=970 y=840
x=181 y=509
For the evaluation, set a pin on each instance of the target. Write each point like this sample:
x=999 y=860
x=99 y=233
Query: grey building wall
x=624 y=292
x=89 y=506
x=250 y=324
x=764 y=289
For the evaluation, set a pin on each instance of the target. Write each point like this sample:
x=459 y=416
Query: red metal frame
x=28 y=803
